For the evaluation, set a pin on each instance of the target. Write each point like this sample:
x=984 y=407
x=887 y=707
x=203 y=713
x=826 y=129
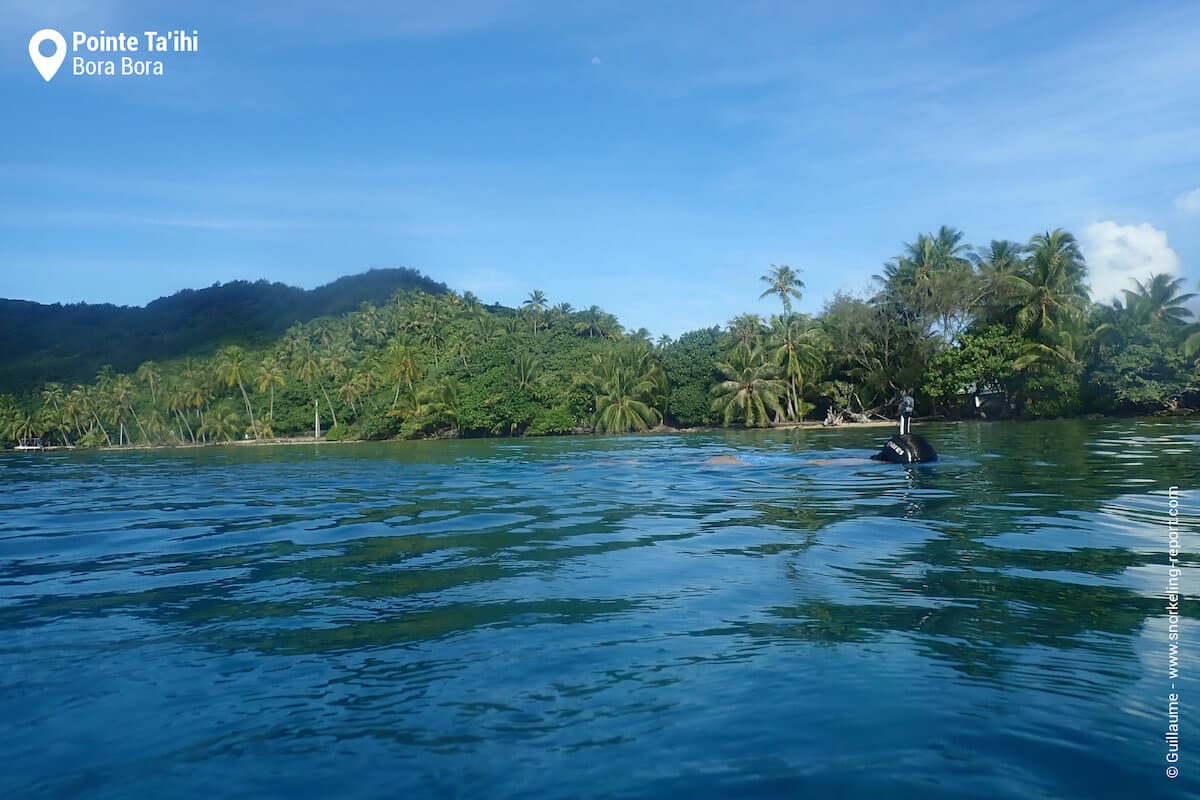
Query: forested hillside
x=1010 y=321
x=69 y=343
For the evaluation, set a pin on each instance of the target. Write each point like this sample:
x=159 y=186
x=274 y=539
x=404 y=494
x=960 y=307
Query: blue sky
x=652 y=158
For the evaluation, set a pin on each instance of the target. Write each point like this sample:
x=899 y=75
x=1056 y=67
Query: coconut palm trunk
x=107 y=438
x=329 y=403
x=249 y=410
x=145 y=438
x=184 y=423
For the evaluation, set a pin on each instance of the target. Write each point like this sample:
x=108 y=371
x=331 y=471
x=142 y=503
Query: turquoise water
x=601 y=617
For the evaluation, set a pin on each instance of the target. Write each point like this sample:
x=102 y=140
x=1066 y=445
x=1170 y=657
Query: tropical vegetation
x=1011 y=321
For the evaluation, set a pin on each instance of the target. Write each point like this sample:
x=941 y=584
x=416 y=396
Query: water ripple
x=596 y=617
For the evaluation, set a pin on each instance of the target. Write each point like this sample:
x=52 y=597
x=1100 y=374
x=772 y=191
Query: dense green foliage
x=691 y=363
x=1010 y=321
x=982 y=360
x=68 y=343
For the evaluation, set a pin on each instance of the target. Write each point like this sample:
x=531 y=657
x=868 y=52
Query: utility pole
x=316 y=419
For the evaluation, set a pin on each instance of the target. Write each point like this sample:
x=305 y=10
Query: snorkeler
x=907 y=406
x=906 y=447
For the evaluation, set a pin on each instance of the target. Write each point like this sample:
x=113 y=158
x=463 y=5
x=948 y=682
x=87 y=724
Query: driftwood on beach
x=838 y=416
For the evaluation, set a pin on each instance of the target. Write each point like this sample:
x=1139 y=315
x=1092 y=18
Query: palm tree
x=101 y=401
x=154 y=425
x=24 y=425
x=486 y=327
x=441 y=400
x=746 y=329
x=1191 y=346
x=1159 y=300
x=8 y=415
x=74 y=411
x=437 y=338
x=270 y=376
x=53 y=406
x=913 y=272
x=52 y=395
x=123 y=398
x=400 y=365
x=322 y=332
x=356 y=385
x=784 y=281
x=660 y=395
x=587 y=321
x=335 y=360
x=1050 y=291
x=641 y=335
x=105 y=377
x=608 y=326
x=950 y=247
x=89 y=400
x=196 y=391
x=562 y=310
x=368 y=323
x=1001 y=257
x=222 y=423
x=619 y=408
x=751 y=388
x=794 y=348
x=933 y=282
x=56 y=420
x=233 y=367
x=149 y=374
x=998 y=260
x=178 y=402
x=527 y=368
x=624 y=382
x=426 y=317
x=309 y=368
x=535 y=306
x=115 y=401
x=461 y=347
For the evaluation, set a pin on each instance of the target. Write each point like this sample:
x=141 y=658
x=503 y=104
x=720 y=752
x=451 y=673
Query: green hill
x=69 y=343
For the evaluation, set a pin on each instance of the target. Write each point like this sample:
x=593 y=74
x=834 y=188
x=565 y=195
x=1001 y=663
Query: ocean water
x=604 y=617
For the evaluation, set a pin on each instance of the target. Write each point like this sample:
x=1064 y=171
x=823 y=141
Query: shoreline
x=285 y=441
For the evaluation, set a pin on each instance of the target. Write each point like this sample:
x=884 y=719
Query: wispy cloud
x=1189 y=202
x=972 y=89
x=119 y=219
x=510 y=145
x=1123 y=112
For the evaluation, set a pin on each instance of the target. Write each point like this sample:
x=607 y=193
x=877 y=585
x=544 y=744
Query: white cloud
x=1118 y=253
x=1189 y=202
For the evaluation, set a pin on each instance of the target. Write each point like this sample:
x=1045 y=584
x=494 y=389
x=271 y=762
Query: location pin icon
x=47 y=65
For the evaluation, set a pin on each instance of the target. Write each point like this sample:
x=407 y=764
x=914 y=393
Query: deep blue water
x=602 y=617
